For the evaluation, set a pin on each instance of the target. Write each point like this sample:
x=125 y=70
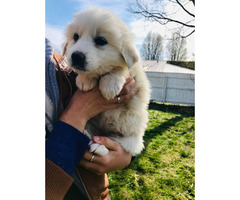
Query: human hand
x=116 y=159
x=85 y=105
x=128 y=86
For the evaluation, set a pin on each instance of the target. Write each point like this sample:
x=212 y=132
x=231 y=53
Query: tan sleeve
x=57 y=181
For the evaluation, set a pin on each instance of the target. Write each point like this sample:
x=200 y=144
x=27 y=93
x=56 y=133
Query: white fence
x=176 y=88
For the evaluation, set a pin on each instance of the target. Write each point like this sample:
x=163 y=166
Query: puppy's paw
x=84 y=83
x=111 y=85
x=98 y=149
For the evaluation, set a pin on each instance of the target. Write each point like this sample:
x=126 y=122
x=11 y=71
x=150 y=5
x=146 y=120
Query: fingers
x=92 y=166
x=125 y=94
x=88 y=156
x=98 y=165
x=117 y=158
x=128 y=79
x=128 y=96
x=124 y=97
x=128 y=86
x=108 y=143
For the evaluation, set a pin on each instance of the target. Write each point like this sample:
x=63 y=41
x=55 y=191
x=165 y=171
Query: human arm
x=82 y=107
x=85 y=105
x=64 y=148
x=66 y=144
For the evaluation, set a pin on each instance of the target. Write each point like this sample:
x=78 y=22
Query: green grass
x=165 y=169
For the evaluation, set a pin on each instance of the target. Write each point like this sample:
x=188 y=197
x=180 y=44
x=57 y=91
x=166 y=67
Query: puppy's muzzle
x=78 y=60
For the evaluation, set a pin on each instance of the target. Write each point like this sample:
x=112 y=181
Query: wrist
x=77 y=122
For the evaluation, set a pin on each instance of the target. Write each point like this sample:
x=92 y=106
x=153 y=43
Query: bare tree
x=152 y=47
x=177 y=48
x=155 y=10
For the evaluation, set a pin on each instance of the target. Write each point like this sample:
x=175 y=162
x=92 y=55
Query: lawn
x=165 y=169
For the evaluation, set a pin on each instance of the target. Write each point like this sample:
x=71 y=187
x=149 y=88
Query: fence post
x=165 y=88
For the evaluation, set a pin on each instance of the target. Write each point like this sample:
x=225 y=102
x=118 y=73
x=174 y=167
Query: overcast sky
x=60 y=13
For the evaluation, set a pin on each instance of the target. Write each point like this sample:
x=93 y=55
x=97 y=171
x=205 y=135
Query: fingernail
x=96 y=138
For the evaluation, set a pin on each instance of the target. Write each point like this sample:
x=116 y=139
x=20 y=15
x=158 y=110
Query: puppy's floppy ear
x=130 y=55
x=64 y=48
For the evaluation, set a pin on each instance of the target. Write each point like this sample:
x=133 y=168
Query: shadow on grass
x=148 y=138
x=135 y=177
x=176 y=109
x=183 y=111
x=160 y=129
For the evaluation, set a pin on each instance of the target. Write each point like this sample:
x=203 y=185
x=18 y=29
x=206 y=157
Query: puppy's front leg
x=85 y=83
x=110 y=85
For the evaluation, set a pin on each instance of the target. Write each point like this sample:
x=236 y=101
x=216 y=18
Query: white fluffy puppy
x=100 y=48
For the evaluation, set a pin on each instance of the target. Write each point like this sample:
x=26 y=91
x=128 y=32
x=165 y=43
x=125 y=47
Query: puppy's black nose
x=78 y=60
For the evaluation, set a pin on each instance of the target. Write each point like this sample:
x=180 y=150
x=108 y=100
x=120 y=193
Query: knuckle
x=106 y=190
x=127 y=96
x=133 y=81
x=100 y=171
x=87 y=167
x=105 y=140
x=128 y=79
x=118 y=147
x=104 y=161
x=127 y=89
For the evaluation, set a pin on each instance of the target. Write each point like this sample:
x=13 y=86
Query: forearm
x=64 y=149
x=65 y=146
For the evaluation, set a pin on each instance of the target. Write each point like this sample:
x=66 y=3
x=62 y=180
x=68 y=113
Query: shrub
x=184 y=64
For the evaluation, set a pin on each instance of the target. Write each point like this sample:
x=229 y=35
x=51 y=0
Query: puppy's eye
x=101 y=41
x=75 y=37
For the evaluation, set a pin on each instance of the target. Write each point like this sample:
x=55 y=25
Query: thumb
x=110 y=144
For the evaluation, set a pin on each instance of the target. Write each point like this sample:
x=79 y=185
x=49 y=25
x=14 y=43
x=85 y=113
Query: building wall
x=176 y=88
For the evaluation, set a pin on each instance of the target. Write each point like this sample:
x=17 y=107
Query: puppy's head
x=97 y=41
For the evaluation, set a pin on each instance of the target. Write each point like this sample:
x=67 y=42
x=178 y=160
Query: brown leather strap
x=66 y=81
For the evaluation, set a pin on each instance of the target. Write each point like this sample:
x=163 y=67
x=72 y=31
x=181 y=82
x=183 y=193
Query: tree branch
x=187 y=34
x=185 y=9
x=142 y=8
x=159 y=16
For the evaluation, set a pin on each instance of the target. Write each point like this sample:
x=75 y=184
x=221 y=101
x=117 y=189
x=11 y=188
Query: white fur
x=121 y=59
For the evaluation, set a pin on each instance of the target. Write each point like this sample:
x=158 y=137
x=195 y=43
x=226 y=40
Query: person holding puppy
x=70 y=168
